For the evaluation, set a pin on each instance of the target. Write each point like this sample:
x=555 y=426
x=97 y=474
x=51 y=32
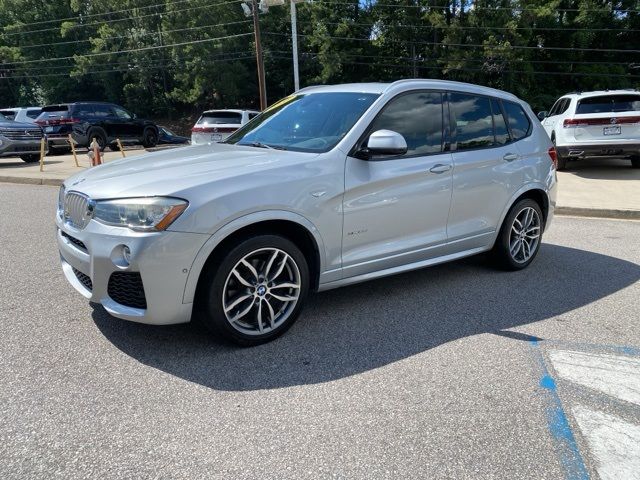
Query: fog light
x=126 y=254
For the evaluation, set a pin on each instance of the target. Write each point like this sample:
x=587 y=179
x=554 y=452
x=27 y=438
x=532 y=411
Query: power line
x=475 y=27
x=91 y=15
x=84 y=25
x=240 y=56
x=120 y=37
x=478 y=8
x=515 y=47
x=117 y=52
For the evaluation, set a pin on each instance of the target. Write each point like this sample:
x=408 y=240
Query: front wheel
x=149 y=138
x=519 y=239
x=256 y=291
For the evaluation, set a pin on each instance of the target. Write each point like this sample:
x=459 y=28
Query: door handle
x=510 y=157
x=440 y=168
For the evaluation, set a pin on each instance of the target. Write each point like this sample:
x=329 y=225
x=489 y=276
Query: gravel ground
x=431 y=374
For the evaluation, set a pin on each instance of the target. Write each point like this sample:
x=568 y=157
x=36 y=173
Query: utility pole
x=294 y=42
x=259 y=57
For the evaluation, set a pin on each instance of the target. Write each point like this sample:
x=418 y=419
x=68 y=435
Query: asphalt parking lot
x=457 y=371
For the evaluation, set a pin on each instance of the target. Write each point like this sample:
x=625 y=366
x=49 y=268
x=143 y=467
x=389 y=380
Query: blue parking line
x=559 y=427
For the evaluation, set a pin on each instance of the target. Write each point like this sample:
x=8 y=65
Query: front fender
x=235 y=225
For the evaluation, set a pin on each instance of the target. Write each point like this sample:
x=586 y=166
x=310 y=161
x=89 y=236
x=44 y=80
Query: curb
x=55 y=182
x=598 y=213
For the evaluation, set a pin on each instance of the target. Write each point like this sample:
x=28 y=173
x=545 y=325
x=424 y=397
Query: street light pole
x=259 y=57
x=294 y=42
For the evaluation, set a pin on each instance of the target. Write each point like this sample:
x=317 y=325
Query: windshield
x=2 y=117
x=313 y=122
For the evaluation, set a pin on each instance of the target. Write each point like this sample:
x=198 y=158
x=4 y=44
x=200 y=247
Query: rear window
x=220 y=117
x=54 y=111
x=609 y=103
x=8 y=114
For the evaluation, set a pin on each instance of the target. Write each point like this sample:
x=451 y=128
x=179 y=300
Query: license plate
x=216 y=137
x=613 y=130
x=48 y=129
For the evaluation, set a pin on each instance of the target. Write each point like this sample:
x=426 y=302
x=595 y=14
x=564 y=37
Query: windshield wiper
x=264 y=145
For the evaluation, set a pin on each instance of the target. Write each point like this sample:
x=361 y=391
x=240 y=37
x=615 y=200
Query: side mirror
x=542 y=115
x=386 y=142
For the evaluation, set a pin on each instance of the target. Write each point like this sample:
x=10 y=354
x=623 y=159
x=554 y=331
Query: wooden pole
x=73 y=150
x=42 y=142
x=120 y=147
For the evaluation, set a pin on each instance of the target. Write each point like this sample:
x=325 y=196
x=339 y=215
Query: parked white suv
x=600 y=124
x=331 y=186
x=22 y=114
x=216 y=125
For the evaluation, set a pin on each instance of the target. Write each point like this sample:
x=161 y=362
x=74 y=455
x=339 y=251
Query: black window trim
x=445 y=143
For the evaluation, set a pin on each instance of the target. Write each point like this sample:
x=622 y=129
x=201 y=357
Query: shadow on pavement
x=603 y=169
x=355 y=329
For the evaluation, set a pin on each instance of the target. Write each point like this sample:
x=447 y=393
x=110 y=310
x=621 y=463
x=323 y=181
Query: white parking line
x=613 y=375
x=614 y=443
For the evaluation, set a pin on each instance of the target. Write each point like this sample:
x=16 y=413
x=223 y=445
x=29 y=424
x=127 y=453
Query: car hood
x=12 y=124
x=175 y=171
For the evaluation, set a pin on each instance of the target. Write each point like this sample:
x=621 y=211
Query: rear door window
x=609 y=103
x=418 y=118
x=217 y=118
x=472 y=117
x=33 y=112
x=519 y=123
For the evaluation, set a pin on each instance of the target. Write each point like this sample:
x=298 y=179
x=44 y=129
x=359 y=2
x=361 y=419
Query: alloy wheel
x=261 y=291
x=524 y=237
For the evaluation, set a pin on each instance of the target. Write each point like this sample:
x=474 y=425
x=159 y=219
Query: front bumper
x=14 y=148
x=163 y=260
x=578 y=151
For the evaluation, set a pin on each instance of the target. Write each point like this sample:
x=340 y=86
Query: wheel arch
x=292 y=226
x=535 y=192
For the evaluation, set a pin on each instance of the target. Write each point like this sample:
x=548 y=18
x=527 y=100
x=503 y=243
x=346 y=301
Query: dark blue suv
x=85 y=121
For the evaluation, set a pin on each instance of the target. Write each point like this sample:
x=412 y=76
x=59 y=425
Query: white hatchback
x=217 y=125
x=595 y=124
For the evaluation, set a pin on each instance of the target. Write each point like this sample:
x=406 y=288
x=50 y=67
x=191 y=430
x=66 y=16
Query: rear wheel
x=520 y=236
x=635 y=161
x=32 y=158
x=100 y=137
x=255 y=292
x=562 y=161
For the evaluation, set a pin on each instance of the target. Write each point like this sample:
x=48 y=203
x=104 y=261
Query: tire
x=562 y=161
x=113 y=147
x=100 y=137
x=32 y=158
x=233 y=302
x=526 y=246
x=149 y=138
x=635 y=161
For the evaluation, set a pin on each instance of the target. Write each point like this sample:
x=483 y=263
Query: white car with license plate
x=217 y=125
x=602 y=124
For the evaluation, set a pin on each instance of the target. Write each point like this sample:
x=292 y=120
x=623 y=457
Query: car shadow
x=21 y=164
x=355 y=329
x=603 y=169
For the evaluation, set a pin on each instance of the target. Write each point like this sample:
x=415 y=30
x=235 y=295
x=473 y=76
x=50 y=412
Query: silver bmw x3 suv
x=330 y=186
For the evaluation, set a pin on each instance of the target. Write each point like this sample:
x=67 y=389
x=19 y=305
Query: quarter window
x=472 y=116
x=500 y=124
x=518 y=120
x=418 y=118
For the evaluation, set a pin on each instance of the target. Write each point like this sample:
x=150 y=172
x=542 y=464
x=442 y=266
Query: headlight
x=140 y=214
x=61 y=200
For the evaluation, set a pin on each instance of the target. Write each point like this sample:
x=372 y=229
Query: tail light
x=585 y=122
x=554 y=156
x=58 y=121
x=572 y=123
